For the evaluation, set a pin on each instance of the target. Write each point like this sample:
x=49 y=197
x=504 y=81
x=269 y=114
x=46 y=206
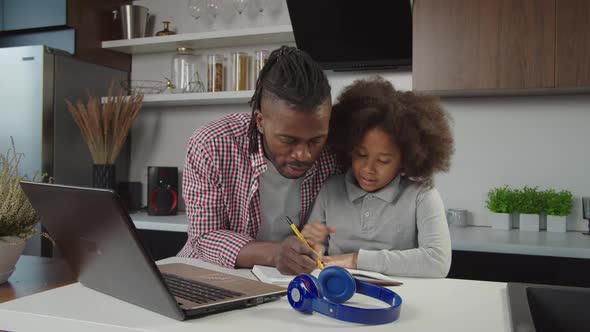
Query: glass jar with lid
x=184 y=69
x=239 y=71
x=215 y=72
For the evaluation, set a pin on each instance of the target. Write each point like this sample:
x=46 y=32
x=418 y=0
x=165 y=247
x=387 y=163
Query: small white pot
x=556 y=224
x=501 y=220
x=529 y=222
x=11 y=248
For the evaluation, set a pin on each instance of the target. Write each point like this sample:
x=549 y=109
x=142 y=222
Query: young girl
x=384 y=214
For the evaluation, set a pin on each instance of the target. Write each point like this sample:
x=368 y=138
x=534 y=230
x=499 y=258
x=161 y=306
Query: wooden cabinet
x=474 y=265
x=572 y=56
x=483 y=44
x=93 y=21
x=162 y=244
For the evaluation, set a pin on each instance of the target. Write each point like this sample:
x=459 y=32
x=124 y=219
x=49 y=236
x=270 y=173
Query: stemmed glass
x=195 y=8
x=240 y=5
x=260 y=4
x=586 y=212
x=213 y=7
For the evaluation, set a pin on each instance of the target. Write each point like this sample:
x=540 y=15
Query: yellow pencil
x=296 y=231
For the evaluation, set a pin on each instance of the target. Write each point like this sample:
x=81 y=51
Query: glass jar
x=260 y=58
x=239 y=71
x=184 y=69
x=214 y=72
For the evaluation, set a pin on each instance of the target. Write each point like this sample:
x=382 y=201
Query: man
x=245 y=172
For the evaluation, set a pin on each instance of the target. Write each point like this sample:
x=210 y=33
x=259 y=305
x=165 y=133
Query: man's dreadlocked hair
x=290 y=75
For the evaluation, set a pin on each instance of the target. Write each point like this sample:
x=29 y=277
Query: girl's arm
x=431 y=259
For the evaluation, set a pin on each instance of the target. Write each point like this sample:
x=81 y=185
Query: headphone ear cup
x=302 y=291
x=337 y=284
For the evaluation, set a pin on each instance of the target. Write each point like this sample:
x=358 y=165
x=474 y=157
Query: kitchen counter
x=486 y=239
x=471 y=238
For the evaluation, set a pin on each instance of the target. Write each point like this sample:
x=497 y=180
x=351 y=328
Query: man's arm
x=209 y=236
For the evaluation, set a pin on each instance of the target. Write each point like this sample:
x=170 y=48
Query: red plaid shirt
x=220 y=189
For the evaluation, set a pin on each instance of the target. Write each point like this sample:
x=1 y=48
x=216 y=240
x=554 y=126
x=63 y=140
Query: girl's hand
x=348 y=261
x=316 y=233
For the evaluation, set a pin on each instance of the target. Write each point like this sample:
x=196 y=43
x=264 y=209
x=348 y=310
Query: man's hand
x=348 y=261
x=316 y=232
x=292 y=256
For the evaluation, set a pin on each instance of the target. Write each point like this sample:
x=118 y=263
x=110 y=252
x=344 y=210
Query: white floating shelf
x=201 y=40
x=176 y=223
x=197 y=98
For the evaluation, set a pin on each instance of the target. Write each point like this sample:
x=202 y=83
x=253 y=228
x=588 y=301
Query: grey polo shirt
x=399 y=230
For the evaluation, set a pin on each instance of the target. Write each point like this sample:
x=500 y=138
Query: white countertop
x=471 y=238
x=428 y=305
x=177 y=223
x=514 y=241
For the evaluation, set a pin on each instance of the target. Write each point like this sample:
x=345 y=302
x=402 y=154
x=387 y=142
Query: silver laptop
x=96 y=236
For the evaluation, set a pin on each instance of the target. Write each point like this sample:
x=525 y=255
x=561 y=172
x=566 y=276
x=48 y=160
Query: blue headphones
x=336 y=285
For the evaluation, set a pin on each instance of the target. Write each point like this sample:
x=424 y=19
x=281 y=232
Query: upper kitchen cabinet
x=31 y=14
x=483 y=45
x=75 y=26
x=93 y=21
x=572 y=56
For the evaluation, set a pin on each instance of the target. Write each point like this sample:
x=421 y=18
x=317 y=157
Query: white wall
x=537 y=140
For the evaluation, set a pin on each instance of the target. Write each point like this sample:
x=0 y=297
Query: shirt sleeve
x=318 y=213
x=209 y=237
x=431 y=259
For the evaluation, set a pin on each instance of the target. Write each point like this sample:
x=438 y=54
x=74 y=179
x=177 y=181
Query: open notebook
x=271 y=275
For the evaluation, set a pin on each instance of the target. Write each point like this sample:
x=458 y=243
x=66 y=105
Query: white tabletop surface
x=428 y=305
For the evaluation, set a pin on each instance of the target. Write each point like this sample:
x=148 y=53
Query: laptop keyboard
x=196 y=291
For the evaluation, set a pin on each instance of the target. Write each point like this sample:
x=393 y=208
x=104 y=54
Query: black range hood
x=354 y=35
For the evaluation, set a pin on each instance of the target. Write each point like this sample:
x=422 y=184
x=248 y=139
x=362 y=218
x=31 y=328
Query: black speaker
x=162 y=192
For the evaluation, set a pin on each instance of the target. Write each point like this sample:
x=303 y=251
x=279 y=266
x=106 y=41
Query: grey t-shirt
x=399 y=230
x=279 y=196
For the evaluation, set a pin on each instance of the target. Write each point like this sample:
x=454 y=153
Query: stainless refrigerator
x=35 y=82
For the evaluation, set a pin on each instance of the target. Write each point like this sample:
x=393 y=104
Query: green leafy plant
x=558 y=203
x=529 y=200
x=17 y=216
x=501 y=200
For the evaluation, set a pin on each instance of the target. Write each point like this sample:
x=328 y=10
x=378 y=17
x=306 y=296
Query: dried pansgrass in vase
x=105 y=126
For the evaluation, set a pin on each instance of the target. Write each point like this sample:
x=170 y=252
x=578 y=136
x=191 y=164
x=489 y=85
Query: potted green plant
x=558 y=205
x=500 y=202
x=17 y=216
x=529 y=205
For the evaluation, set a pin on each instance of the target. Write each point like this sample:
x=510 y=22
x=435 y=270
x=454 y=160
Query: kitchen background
x=535 y=140
x=515 y=140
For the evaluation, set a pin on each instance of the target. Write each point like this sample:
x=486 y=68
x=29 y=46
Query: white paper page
x=271 y=275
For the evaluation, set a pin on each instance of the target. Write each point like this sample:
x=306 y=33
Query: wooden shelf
x=176 y=223
x=201 y=40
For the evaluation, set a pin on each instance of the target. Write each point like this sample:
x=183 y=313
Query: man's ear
x=259 y=120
